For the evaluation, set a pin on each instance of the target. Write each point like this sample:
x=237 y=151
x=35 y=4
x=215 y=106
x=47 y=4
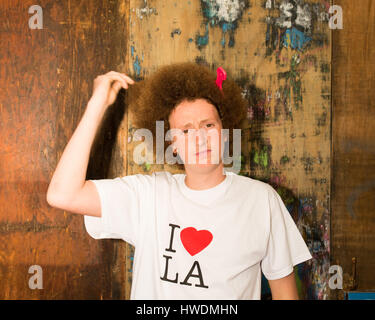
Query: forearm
x=70 y=173
x=284 y=288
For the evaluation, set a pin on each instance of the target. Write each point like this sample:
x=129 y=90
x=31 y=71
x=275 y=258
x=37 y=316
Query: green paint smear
x=261 y=157
x=284 y=159
x=285 y=195
x=146 y=166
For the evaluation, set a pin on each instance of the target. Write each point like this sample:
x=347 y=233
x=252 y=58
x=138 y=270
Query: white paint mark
x=304 y=17
x=226 y=10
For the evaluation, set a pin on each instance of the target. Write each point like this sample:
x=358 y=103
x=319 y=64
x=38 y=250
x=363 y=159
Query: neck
x=204 y=179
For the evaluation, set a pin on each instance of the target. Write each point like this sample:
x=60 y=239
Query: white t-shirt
x=199 y=244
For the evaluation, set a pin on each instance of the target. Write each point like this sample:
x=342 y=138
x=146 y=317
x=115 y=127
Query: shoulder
x=256 y=186
x=150 y=178
x=139 y=177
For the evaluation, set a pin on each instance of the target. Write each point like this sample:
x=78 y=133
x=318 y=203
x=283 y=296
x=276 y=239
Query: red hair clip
x=221 y=76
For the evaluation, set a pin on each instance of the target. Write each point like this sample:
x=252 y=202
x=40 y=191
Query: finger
x=128 y=78
x=117 y=86
x=120 y=84
x=123 y=75
x=114 y=77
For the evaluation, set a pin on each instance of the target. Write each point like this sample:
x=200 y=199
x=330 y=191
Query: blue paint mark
x=295 y=38
x=202 y=40
x=224 y=14
x=190 y=40
x=225 y=26
x=361 y=296
x=223 y=42
x=137 y=66
x=132 y=49
x=208 y=11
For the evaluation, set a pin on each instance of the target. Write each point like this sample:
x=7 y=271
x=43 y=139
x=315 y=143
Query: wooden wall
x=353 y=145
x=285 y=73
x=46 y=81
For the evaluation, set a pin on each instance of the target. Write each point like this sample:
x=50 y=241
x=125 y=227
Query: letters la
x=194 y=242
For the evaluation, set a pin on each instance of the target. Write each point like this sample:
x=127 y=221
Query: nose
x=201 y=138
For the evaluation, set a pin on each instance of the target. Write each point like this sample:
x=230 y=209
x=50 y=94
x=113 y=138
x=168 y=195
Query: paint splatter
x=225 y=14
x=295 y=39
x=316 y=235
x=175 y=31
x=291 y=24
x=202 y=41
x=284 y=160
x=292 y=86
x=261 y=156
x=137 y=67
x=311 y=276
x=145 y=11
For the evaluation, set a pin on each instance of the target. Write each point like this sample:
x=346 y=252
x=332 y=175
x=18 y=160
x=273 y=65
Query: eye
x=211 y=124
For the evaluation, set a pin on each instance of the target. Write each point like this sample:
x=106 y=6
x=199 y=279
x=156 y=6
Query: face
x=199 y=141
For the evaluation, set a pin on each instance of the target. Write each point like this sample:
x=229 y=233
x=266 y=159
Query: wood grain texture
x=47 y=75
x=353 y=136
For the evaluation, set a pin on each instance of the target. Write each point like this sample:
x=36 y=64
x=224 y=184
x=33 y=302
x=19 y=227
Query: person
x=206 y=233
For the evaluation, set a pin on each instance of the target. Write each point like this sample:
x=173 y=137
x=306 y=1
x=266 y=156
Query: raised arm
x=68 y=189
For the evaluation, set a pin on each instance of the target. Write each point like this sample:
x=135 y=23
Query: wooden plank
x=286 y=81
x=353 y=157
x=47 y=75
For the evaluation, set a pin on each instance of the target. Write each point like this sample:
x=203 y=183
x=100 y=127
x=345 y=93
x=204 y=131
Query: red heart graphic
x=195 y=241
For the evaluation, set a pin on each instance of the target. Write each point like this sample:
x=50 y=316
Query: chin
x=204 y=167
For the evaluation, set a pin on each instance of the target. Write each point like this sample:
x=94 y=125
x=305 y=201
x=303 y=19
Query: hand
x=107 y=86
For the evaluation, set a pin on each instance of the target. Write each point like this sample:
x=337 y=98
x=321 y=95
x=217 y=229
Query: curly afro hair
x=154 y=98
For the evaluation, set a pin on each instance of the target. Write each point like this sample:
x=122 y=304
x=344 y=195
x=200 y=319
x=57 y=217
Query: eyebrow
x=205 y=120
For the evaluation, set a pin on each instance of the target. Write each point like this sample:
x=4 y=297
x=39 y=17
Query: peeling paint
x=145 y=11
x=312 y=275
x=225 y=10
x=137 y=66
x=292 y=84
x=261 y=156
x=202 y=41
x=295 y=39
x=226 y=14
x=293 y=27
x=175 y=31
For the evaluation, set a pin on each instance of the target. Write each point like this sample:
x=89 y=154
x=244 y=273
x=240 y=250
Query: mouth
x=203 y=152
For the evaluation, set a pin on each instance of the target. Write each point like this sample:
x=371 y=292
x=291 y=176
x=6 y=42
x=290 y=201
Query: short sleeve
x=122 y=201
x=286 y=247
